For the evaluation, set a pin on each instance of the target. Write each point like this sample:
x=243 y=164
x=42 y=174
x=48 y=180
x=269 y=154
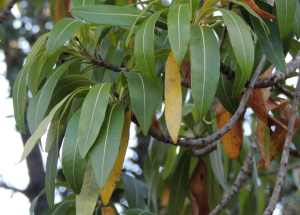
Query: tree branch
x=4 y=15
x=285 y=153
x=239 y=181
x=241 y=108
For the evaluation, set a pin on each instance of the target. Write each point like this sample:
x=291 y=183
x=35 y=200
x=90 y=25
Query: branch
x=285 y=153
x=239 y=181
x=4 y=15
x=240 y=110
x=4 y=185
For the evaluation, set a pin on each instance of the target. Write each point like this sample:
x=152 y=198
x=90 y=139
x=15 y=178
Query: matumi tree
x=205 y=80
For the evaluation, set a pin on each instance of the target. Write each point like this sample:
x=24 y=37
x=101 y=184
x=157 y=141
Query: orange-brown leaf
x=263 y=141
x=258 y=10
x=108 y=211
x=233 y=139
x=108 y=188
x=198 y=187
x=173 y=97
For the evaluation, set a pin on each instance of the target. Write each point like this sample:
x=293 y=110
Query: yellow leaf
x=108 y=211
x=173 y=97
x=107 y=190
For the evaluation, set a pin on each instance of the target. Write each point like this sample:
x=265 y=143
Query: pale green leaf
x=285 y=14
x=20 y=100
x=179 y=30
x=145 y=98
x=63 y=31
x=144 y=46
x=243 y=48
x=41 y=129
x=87 y=199
x=105 y=152
x=72 y=163
x=77 y=3
x=205 y=67
x=107 y=14
x=43 y=98
x=51 y=171
x=92 y=116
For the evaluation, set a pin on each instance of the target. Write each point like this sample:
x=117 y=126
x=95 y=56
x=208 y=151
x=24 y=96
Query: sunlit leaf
x=173 y=97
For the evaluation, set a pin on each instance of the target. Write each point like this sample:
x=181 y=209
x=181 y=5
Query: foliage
x=180 y=68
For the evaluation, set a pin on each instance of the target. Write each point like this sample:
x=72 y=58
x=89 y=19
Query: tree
x=184 y=73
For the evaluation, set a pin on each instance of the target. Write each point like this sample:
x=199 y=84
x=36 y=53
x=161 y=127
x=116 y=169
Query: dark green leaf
x=179 y=30
x=106 y=14
x=64 y=208
x=145 y=97
x=135 y=192
x=243 y=48
x=296 y=20
x=138 y=212
x=105 y=152
x=72 y=163
x=205 y=67
x=92 y=116
x=77 y=3
x=144 y=46
x=270 y=44
x=179 y=185
x=63 y=31
x=285 y=15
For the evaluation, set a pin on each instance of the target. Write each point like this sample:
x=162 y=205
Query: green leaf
x=216 y=163
x=87 y=199
x=43 y=98
x=145 y=97
x=296 y=25
x=205 y=67
x=243 y=48
x=179 y=30
x=179 y=185
x=135 y=191
x=72 y=163
x=91 y=117
x=105 y=152
x=41 y=129
x=57 y=127
x=66 y=207
x=270 y=44
x=285 y=14
x=138 y=212
x=144 y=46
x=77 y=3
x=224 y=94
x=20 y=100
x=51 y=171
x=106 y=14
x=63 y=31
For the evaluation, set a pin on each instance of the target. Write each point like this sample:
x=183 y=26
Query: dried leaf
x=173 y=97
x=108 y=188
x=233 y=139
x=198 y=187
x=258 y=10
x=108 y=211
x=263 y=141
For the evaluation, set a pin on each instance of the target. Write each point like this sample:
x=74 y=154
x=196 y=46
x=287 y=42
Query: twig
x=7 y=11
x=9 y=187
x=285 y=153
x=239 y=181
x=280 y=76
x=210 y=139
